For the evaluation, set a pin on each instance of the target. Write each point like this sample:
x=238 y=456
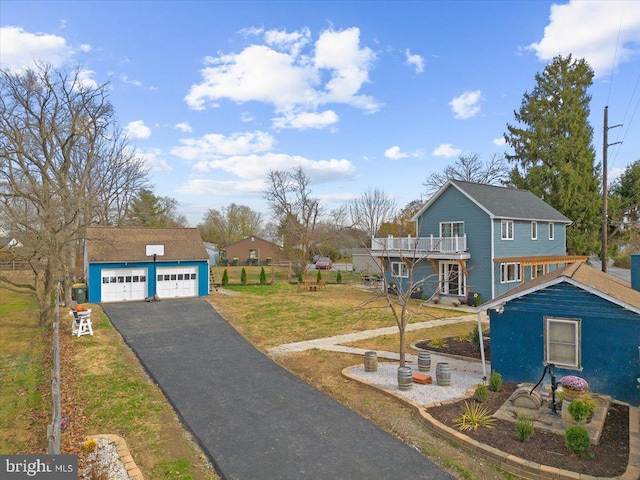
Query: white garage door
x=121 y=284
x=177 y=282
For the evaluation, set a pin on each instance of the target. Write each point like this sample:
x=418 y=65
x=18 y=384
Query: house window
x=562 y=342
x=534 y=230
x=551 y=231
x=506 y=230
x=399 y=269
x=537 y=270
x=510 y=272
x=253 y=254
x=452 y=229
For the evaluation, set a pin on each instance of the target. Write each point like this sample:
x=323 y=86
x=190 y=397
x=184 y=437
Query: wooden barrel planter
x=443 y=374
x=370 y=361
x=405 y=378
x=424 y=361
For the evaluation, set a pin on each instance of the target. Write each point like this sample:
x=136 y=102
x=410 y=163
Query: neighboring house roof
x=248 y=237
x=8 y=242
x=502 y=202
x=128 y=244
x=582 y=276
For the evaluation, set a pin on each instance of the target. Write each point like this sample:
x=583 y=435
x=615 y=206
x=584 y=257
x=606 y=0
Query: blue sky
x=360 y=94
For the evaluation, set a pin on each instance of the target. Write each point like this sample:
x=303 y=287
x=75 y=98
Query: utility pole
x=605 y=194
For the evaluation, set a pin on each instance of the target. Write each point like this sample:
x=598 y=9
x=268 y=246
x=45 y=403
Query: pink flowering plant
x=574 y=383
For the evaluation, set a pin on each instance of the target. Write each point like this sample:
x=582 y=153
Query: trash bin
x=79 y=292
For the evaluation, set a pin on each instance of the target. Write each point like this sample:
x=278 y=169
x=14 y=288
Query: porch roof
x=543 y=259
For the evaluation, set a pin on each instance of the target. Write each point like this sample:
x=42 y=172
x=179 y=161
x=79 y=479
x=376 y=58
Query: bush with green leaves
x=576 y=438
x=438 y=343
x=263 y=276
x=524 y=427
x=474 y=416
x=225 y=278
x=579 y=410
x=243 y=276
x=482 y=393
x=319 y=276
x=339 y=277
x=495 y=382
x=474 y=339
x=300 y=277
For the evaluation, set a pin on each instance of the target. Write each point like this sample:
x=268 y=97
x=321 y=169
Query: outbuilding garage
x=135 y=263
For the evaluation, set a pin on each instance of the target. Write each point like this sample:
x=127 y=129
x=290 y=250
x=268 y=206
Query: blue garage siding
x=610 y=340
x=95 y=274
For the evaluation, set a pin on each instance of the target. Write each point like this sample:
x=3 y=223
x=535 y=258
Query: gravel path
x=386 y=377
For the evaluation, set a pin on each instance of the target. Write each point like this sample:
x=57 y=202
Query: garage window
x=193 y=276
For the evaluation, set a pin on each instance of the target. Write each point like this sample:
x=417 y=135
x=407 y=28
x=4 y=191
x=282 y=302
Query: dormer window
x=551 y=231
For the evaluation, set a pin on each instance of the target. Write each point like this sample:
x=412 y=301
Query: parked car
x=324 y=263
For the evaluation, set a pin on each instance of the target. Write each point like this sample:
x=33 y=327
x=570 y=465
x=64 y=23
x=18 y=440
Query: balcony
x=436 y=247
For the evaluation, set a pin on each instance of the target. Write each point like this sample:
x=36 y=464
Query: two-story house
x=480 y=238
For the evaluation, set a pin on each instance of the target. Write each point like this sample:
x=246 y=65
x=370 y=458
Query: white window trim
x=577 y=342
x=504 y=272
x=403 y=270
x=534 y=230
x=507 y=223
x=552 y=231
x=451 y=226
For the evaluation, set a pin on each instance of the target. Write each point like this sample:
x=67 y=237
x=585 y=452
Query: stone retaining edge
x=512 y=464
x=123 y=452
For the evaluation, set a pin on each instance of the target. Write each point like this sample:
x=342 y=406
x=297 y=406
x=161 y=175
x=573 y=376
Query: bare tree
x=470 y=168
x=371 y=209
x=57 y=137
x=295 y=209
x=229 y=224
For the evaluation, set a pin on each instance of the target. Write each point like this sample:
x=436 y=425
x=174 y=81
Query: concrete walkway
x=253 y=418
x=335 y=344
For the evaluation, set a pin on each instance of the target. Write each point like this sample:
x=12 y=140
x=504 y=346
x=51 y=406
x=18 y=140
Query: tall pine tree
x=553 y=153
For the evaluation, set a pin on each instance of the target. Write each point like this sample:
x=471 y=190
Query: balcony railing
x=420 y=245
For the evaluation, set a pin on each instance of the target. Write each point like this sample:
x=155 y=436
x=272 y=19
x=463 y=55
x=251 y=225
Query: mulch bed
x=457 y=347
x=609 y=459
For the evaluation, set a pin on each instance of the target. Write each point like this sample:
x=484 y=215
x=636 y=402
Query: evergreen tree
x=339 y=277
x=225 y=278
x=263 y=276
x=552 y=149
x=319 y=276
x=243 y=276
x=300 y=278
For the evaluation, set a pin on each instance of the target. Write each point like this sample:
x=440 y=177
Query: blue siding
x=94 y=282
x=453 y=206
x=610 y=340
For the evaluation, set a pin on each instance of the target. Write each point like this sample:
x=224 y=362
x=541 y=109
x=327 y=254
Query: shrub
x=495 y=382
x=576 y=438
x=579 y=411
x=474 y=416
x=319 y=276
x=243 y=276
x=524 y=427
x=339 y=277
x=90 y=445
x=300 y=278
x=225 y=278
x=438 y=343
x=482 y=393
x=474 y=339
x=263 y=276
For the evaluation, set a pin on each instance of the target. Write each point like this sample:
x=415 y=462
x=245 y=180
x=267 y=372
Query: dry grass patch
x=391 y=342
x=271 y=315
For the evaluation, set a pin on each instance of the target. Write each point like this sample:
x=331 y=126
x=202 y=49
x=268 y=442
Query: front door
x=452 y=280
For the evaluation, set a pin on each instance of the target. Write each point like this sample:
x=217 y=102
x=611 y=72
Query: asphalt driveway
x=253 y=418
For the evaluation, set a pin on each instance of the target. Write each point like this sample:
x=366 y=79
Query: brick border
x=512 y=464
x=123 y=452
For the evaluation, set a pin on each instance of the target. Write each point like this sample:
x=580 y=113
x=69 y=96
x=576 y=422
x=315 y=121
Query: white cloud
x=416 y=60
x=85 y=47
x=499 y=141
x=154 y=159
x=592 y=30
x=222 y=188
x=279 y=74
x=614 y=174
x=137 y=129
x=215 y=146
x=19 y=49
x=394 y=153
x=184 y=127
x=446 y=150
x=466 y=105
x=136 y=83
x=86 y=80
x=305 y=120
x=247 y=117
